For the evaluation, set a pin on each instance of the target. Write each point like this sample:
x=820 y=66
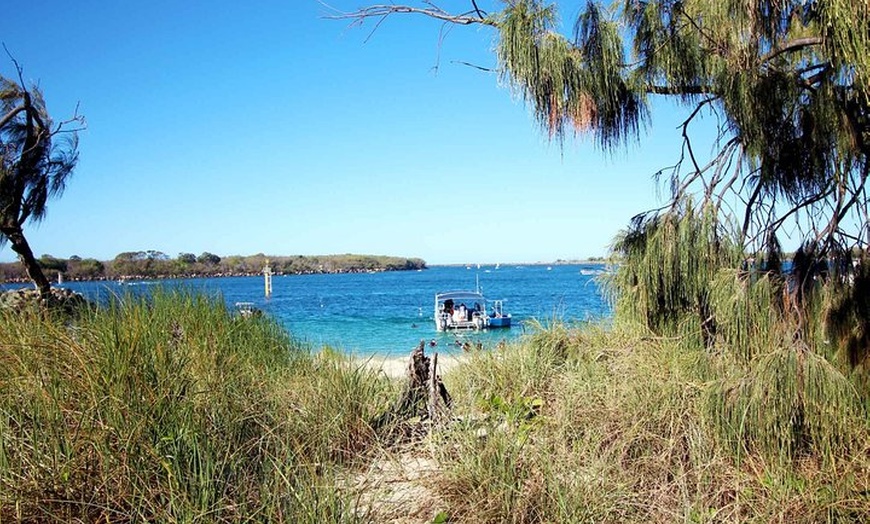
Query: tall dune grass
x=618 y=428
x=724 y=390
x=170 y=409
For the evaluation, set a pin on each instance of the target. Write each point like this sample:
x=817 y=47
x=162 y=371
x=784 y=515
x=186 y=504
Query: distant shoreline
x=190 y=276
x=339 y=271
x=155 y=265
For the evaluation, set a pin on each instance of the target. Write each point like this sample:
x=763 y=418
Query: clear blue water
x=389 y=313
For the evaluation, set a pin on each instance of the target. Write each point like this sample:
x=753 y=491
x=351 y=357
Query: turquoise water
x=389 y=313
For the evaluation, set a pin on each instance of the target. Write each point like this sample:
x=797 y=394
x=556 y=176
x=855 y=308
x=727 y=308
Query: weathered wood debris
x=424 y=401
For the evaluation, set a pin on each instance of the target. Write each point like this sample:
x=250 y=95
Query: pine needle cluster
x=783 y=83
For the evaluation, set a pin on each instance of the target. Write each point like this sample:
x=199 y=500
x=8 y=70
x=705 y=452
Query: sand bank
x=395 y=367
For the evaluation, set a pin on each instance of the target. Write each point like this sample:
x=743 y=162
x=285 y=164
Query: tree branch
x=384 y=10
x=481 y=14
x=475 y=66
x=678 y=90
x=10 y=115
x=822 y=195
x=794 y=45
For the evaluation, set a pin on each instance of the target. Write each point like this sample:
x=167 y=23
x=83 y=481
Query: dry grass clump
x=170 y=409
x=604 y=426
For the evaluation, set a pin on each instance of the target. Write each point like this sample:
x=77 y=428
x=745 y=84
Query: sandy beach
x=395 y=367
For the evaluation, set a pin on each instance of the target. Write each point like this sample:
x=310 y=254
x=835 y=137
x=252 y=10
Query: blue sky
x=262 y=127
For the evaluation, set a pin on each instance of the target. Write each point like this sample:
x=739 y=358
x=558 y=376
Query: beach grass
x=171 y=409
x=593 y=425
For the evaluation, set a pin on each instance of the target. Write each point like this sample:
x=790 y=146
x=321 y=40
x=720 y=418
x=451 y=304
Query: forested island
x=157 y=265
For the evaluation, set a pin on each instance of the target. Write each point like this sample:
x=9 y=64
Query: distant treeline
x=155 y=264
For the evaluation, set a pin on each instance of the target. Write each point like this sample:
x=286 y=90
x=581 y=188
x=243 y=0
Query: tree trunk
x=20 y=246
x=424 y=395
x=439 y=398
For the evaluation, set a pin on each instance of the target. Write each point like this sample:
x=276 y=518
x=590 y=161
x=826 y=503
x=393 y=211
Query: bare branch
x=821 y=196
x=750 y=206
x=794 y=45
x=687 y=141
x=18 y=67
x=79 y=120
x=442 y=34
x=477 y=10
x=475 y=66
x=384 y=10
x=678 y=90
x=10 y=115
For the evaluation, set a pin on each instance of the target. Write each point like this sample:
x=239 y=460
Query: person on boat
x=448 y=306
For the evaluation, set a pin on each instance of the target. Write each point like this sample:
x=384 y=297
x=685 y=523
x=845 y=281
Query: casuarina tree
x=37 y=157
x=779 y=89
x=783 y=83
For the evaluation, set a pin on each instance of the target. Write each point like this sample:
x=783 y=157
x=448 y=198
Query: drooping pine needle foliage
x=784 y=86
x=748 y=310
x=789 y=351
x=570 y=84
x=786 y=81
x=667 y=262
x=789 y=401
x=37 y=156
x=845 y=324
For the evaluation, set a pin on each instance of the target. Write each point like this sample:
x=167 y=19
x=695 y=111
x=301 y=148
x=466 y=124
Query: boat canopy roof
x=459 y=295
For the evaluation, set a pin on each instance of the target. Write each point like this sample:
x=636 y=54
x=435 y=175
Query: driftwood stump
x=424 y=396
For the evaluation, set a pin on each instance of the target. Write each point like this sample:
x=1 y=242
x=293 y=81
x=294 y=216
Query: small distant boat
x=465 y=310
x=497 y=317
